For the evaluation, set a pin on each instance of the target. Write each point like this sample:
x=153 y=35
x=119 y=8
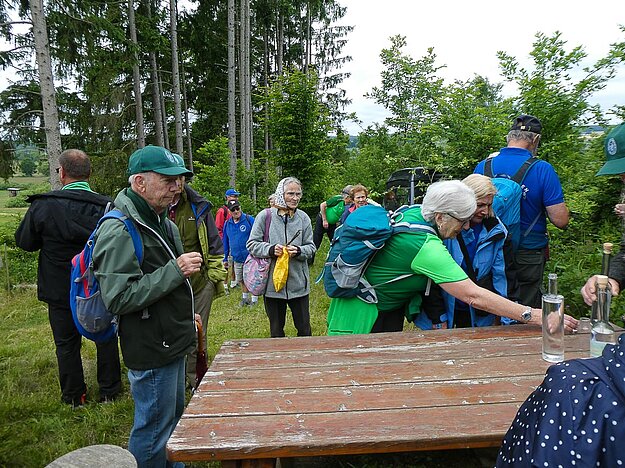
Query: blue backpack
x=90 y=315
x=354 y=245
x=507 y=201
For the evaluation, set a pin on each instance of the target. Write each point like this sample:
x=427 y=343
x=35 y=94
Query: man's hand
x=189 y=263
x=325 y=224
x=590 y=294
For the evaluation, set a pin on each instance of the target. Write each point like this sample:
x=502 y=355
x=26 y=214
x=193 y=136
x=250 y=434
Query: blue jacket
x=235 y=237
x=494 y=268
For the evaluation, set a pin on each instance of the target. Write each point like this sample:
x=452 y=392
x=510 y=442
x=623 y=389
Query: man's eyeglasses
x=235 y=209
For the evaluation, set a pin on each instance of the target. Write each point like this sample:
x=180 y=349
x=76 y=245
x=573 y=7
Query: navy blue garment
x=575 y=418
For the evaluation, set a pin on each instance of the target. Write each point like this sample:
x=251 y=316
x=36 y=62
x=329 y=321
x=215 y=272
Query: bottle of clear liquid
x=605 y=270
x=553 y=322
x=602 y=333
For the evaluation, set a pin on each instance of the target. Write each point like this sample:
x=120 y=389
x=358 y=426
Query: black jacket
x=58 y=223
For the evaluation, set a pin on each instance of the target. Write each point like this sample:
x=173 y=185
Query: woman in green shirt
x=448 y=207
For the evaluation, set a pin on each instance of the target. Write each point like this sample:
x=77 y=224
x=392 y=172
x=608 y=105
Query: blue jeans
x=159 y=402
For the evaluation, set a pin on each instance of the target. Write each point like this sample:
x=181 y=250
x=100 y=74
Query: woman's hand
x=570 y=324
x=278 y=250
x=292 y=250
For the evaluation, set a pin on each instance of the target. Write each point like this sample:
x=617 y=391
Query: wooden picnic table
x=263 y=399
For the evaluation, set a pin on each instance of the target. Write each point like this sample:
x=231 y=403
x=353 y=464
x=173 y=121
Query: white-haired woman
x=290 y=229
x=448 y=207
x=484 y=251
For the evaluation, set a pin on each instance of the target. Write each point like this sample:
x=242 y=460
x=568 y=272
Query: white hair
x=133 y=177
x=449 y=197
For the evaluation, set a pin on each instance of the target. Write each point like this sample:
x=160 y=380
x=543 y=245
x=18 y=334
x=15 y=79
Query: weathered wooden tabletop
x=391 y=392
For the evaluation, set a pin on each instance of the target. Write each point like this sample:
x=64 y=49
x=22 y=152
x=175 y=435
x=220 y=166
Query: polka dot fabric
x=575 y=418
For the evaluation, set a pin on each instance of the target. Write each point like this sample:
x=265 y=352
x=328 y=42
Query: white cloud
x=467 y=35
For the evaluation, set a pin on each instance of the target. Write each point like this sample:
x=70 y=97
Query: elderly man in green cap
x=154 y=298
x=614 y=147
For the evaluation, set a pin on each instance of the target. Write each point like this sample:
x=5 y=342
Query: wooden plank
x=408 y=353
x=371 y=374
x=377 y=340
x=230 y=438
x=369 y=397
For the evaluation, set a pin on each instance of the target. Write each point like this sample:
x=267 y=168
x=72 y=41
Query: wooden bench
x=264 y=399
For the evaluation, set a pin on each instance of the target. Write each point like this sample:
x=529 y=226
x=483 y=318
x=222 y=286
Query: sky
x=466 y=37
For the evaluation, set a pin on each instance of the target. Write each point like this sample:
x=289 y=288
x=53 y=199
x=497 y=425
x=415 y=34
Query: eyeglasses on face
x=461 y=221
x=235 y=209
x=293 y=194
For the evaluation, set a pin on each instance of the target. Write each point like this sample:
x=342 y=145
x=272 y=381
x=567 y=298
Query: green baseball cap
x=157 y=159
x=614 y=147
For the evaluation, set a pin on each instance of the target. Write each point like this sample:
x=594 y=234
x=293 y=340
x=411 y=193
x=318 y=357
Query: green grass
x=37 y=428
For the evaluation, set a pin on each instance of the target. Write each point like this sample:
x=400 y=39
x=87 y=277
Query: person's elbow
x=558 y=215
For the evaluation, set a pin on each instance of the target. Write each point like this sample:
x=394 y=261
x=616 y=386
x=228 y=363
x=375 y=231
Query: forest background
x=250 y=91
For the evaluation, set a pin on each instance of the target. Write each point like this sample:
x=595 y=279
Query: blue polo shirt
x=541 y=188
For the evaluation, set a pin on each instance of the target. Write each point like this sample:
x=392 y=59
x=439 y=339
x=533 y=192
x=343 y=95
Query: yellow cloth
x=281 y=270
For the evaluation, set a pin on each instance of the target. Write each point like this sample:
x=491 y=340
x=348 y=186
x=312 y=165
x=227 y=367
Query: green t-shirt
x=334 y=208
x=421 y=254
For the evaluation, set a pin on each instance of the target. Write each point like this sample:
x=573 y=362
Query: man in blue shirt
x=542 y=198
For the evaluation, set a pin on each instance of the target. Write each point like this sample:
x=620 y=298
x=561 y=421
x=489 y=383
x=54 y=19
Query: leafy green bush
x=16 y=202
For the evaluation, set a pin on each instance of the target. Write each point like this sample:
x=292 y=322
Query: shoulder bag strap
x=467 y=259
x=267 y=224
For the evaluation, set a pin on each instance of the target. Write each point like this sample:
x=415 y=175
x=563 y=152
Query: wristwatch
x=526 y=316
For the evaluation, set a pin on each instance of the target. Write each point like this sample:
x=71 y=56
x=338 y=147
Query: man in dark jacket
x=192 y=214
x=58 y=224
x=154 y=299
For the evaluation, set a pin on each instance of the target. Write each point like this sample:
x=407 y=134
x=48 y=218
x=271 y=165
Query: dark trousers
x=389 y=321
x=530 y=266
x=68 y=342
x=320 y=230
x=276 y=312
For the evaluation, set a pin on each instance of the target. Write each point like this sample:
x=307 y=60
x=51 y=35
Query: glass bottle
x=605 y=270
x=553 y=322
x=602 y=332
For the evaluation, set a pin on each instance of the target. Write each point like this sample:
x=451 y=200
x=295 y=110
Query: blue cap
x=232 y=192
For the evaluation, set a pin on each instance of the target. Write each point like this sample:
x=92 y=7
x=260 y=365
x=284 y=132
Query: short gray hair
x=521 y=135
x=131 y=179
x=451 y=197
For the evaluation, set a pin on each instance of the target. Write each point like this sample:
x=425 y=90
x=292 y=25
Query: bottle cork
x=607 y=248
x=602 y=281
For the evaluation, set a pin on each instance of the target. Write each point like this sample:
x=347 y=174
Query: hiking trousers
x=275 y=309
x=68 y=342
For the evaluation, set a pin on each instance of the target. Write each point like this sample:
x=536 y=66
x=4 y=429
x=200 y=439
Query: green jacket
x=153 y=300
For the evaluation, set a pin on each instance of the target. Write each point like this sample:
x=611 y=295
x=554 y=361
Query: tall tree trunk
x=156 y=92
x=266 y=88
x=242 y=121
x=175 y=74
x=232 y=125
x=156 y=102
x=136 y=76
x=308 y=48
x=248 y=90
x=187 y=125
x=48 y=93
x=279 y=43
x=161 y=94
